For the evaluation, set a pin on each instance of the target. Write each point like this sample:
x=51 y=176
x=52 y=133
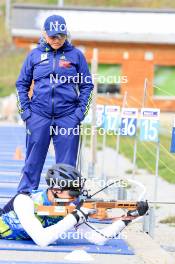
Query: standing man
x=61 y=97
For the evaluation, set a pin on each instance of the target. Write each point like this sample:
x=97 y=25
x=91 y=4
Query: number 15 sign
x=149 y=124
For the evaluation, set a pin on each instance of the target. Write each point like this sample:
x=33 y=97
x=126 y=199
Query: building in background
x=133 y=45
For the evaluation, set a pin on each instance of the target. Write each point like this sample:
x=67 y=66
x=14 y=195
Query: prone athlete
x=19 y=219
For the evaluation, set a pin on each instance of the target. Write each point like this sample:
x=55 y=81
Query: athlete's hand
x=142 y=207
x=81 y=213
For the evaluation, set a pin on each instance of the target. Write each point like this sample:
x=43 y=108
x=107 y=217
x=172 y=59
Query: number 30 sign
x=149 y=124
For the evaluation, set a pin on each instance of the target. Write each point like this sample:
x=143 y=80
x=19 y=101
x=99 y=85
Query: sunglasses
x=74 y=192
x=58 y=36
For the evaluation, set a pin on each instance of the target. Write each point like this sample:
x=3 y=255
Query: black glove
x=142 y=208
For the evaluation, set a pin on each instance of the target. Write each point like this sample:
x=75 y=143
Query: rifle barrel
x=160 y=202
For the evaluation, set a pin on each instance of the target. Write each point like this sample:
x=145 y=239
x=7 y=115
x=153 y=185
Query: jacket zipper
x=75 y=91
x=53 y=86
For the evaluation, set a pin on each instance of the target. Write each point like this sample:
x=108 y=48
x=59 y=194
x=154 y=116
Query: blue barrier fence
x=12 y=137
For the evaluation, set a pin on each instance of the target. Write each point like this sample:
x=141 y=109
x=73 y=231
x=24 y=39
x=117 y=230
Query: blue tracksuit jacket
x=55 y=86
x=56 y=102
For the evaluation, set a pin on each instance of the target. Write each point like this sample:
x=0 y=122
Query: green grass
x=146 y=154
x=5 y=39
x=50 y=2
x=11 y=61
x=116 y=3
x=168 y=220
x=164 y=80
x=126 y=3
x=9 y=68
x=109 y=3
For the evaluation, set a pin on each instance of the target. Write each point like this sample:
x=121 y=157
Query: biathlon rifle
x=62 y=207
x=102 y=207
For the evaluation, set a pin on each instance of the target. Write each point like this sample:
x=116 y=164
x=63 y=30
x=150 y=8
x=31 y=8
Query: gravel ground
x=50 y=257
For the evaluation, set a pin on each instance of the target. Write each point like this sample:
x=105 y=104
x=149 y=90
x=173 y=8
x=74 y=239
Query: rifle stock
x=100 y=206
